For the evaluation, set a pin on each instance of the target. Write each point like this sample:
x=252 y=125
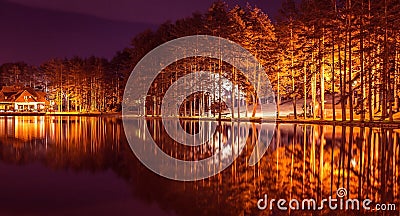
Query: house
x=21 y=99
x=6 y=94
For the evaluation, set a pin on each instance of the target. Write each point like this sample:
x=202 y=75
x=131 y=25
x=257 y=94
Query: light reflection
x=58 y=139
x=303 y=161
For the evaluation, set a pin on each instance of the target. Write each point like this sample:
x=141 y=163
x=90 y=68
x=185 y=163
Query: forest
x=341 y=52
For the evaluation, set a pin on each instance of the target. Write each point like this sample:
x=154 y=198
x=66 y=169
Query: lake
x=74 y=165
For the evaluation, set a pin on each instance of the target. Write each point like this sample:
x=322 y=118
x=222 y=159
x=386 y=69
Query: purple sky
x=36 y=30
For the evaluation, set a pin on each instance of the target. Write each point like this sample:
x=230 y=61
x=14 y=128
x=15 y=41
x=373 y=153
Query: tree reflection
x=60 y=142
x=302 y=161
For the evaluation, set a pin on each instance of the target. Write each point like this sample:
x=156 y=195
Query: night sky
x=37 y=30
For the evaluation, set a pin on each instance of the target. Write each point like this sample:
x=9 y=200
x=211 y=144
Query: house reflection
x=22 y=128
x=59 y=141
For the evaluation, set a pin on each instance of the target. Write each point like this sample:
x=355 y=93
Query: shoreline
x=59 y=114
x=283 y=120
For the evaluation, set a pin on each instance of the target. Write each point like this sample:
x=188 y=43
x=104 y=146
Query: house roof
x=14 y=94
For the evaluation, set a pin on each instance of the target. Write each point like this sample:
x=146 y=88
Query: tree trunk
x=278 y=101
x=341 y=85
x=322 y=71
x=345 y=98
x=362 y=74
x=305 y=91
x=333 y=77
x=292 y=73
x=350 y=66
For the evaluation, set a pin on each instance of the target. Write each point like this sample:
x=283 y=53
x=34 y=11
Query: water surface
x=84 y=165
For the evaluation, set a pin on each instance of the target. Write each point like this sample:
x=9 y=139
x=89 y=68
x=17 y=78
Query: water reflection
x=70 y=142
x=22 y=128
x=303 y=161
